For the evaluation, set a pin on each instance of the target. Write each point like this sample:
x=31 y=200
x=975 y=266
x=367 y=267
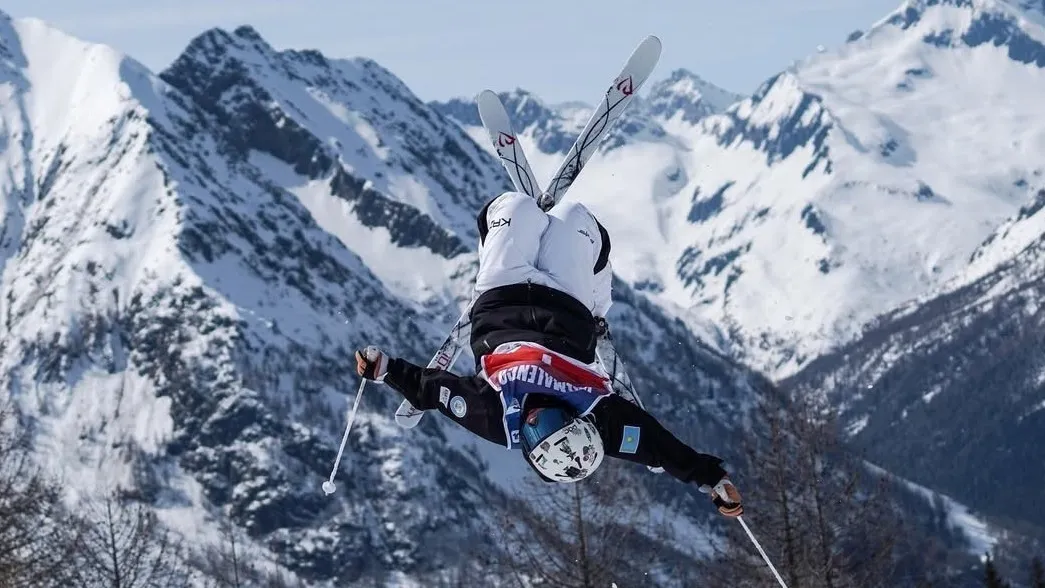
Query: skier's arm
x=629 y=432
x=435 y=389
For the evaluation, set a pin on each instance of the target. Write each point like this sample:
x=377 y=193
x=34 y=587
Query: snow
x=99 y=268
x=416 y=274
x=787 y=259
x=892 y=246
x=928 y=396
x=854 y=428
x=927 y=151
x=357 y=109
x=981 y=538
x=684 y=98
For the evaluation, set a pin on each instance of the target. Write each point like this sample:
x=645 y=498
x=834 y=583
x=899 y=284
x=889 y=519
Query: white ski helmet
x=559 y=445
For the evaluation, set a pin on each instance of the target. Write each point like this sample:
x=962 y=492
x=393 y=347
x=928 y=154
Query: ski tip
x=491 y=111
x=652 y=44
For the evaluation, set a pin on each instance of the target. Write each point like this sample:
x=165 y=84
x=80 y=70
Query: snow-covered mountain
x=551 y=129
x=178 y=319
x=862 y=177
x=686 y=97
x=946 y=389
x=957 y=372
x=548 y=131
x=950 y=391
x=189 y=261
x=899 y=170
x=545 y=131
x=881 y=167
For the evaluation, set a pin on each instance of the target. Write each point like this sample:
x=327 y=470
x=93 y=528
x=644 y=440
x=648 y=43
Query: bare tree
x=823 y=518
x=991 y=577
x=123 y=545
x=230 y=564
x=35 y=535
x=223 y=563
x=468 y=572
x=112 y=543
x=592 y=533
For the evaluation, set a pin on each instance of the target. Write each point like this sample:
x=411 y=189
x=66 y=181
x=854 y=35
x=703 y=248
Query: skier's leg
x=510 y=229
x=575 y=253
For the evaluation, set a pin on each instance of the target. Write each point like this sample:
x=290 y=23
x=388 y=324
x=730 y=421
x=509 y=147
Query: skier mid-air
x=542 y=292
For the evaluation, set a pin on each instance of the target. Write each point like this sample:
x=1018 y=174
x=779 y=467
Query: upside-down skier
x=543 y=290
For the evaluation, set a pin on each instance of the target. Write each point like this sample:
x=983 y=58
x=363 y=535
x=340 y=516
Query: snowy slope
x=948 y=390
x=684 y=97
x=981 y=537
x=400 y=166
x=367 y=119
x=175 y=321
x=945 y=388
x=865 y=177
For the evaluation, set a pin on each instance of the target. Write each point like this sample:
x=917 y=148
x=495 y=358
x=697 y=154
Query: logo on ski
x=443 y=361
x=626 y=86
x=505 y=139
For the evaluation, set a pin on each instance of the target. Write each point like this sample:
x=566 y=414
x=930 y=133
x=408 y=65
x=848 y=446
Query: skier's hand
x=727 y=498
x=371 y=363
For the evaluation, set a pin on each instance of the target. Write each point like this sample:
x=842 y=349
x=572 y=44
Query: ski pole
x=761 y=551
x=328 y=486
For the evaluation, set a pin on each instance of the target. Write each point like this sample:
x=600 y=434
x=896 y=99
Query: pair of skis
x=504 y=140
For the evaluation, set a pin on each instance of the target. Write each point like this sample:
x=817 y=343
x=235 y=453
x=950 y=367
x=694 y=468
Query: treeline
x=113 y=542
x=824 y=517
x=992 y=578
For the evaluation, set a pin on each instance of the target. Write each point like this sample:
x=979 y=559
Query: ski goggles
x=540 y=423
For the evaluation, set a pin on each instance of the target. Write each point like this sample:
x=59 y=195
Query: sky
x=559 y=49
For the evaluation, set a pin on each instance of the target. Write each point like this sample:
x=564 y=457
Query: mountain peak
x=681 y=74
x=249 y=33
x=1026 y=5
x=1017 y=12
x=861 y=124
x=687 y=93
x=519 y=94
x=346 y=110
x=526 y=108
x=243 y=39
x=1034 y=5
x=1018 y=26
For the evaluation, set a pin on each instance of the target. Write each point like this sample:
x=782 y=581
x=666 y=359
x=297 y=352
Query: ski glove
x=726 y=497
x=371 y=363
